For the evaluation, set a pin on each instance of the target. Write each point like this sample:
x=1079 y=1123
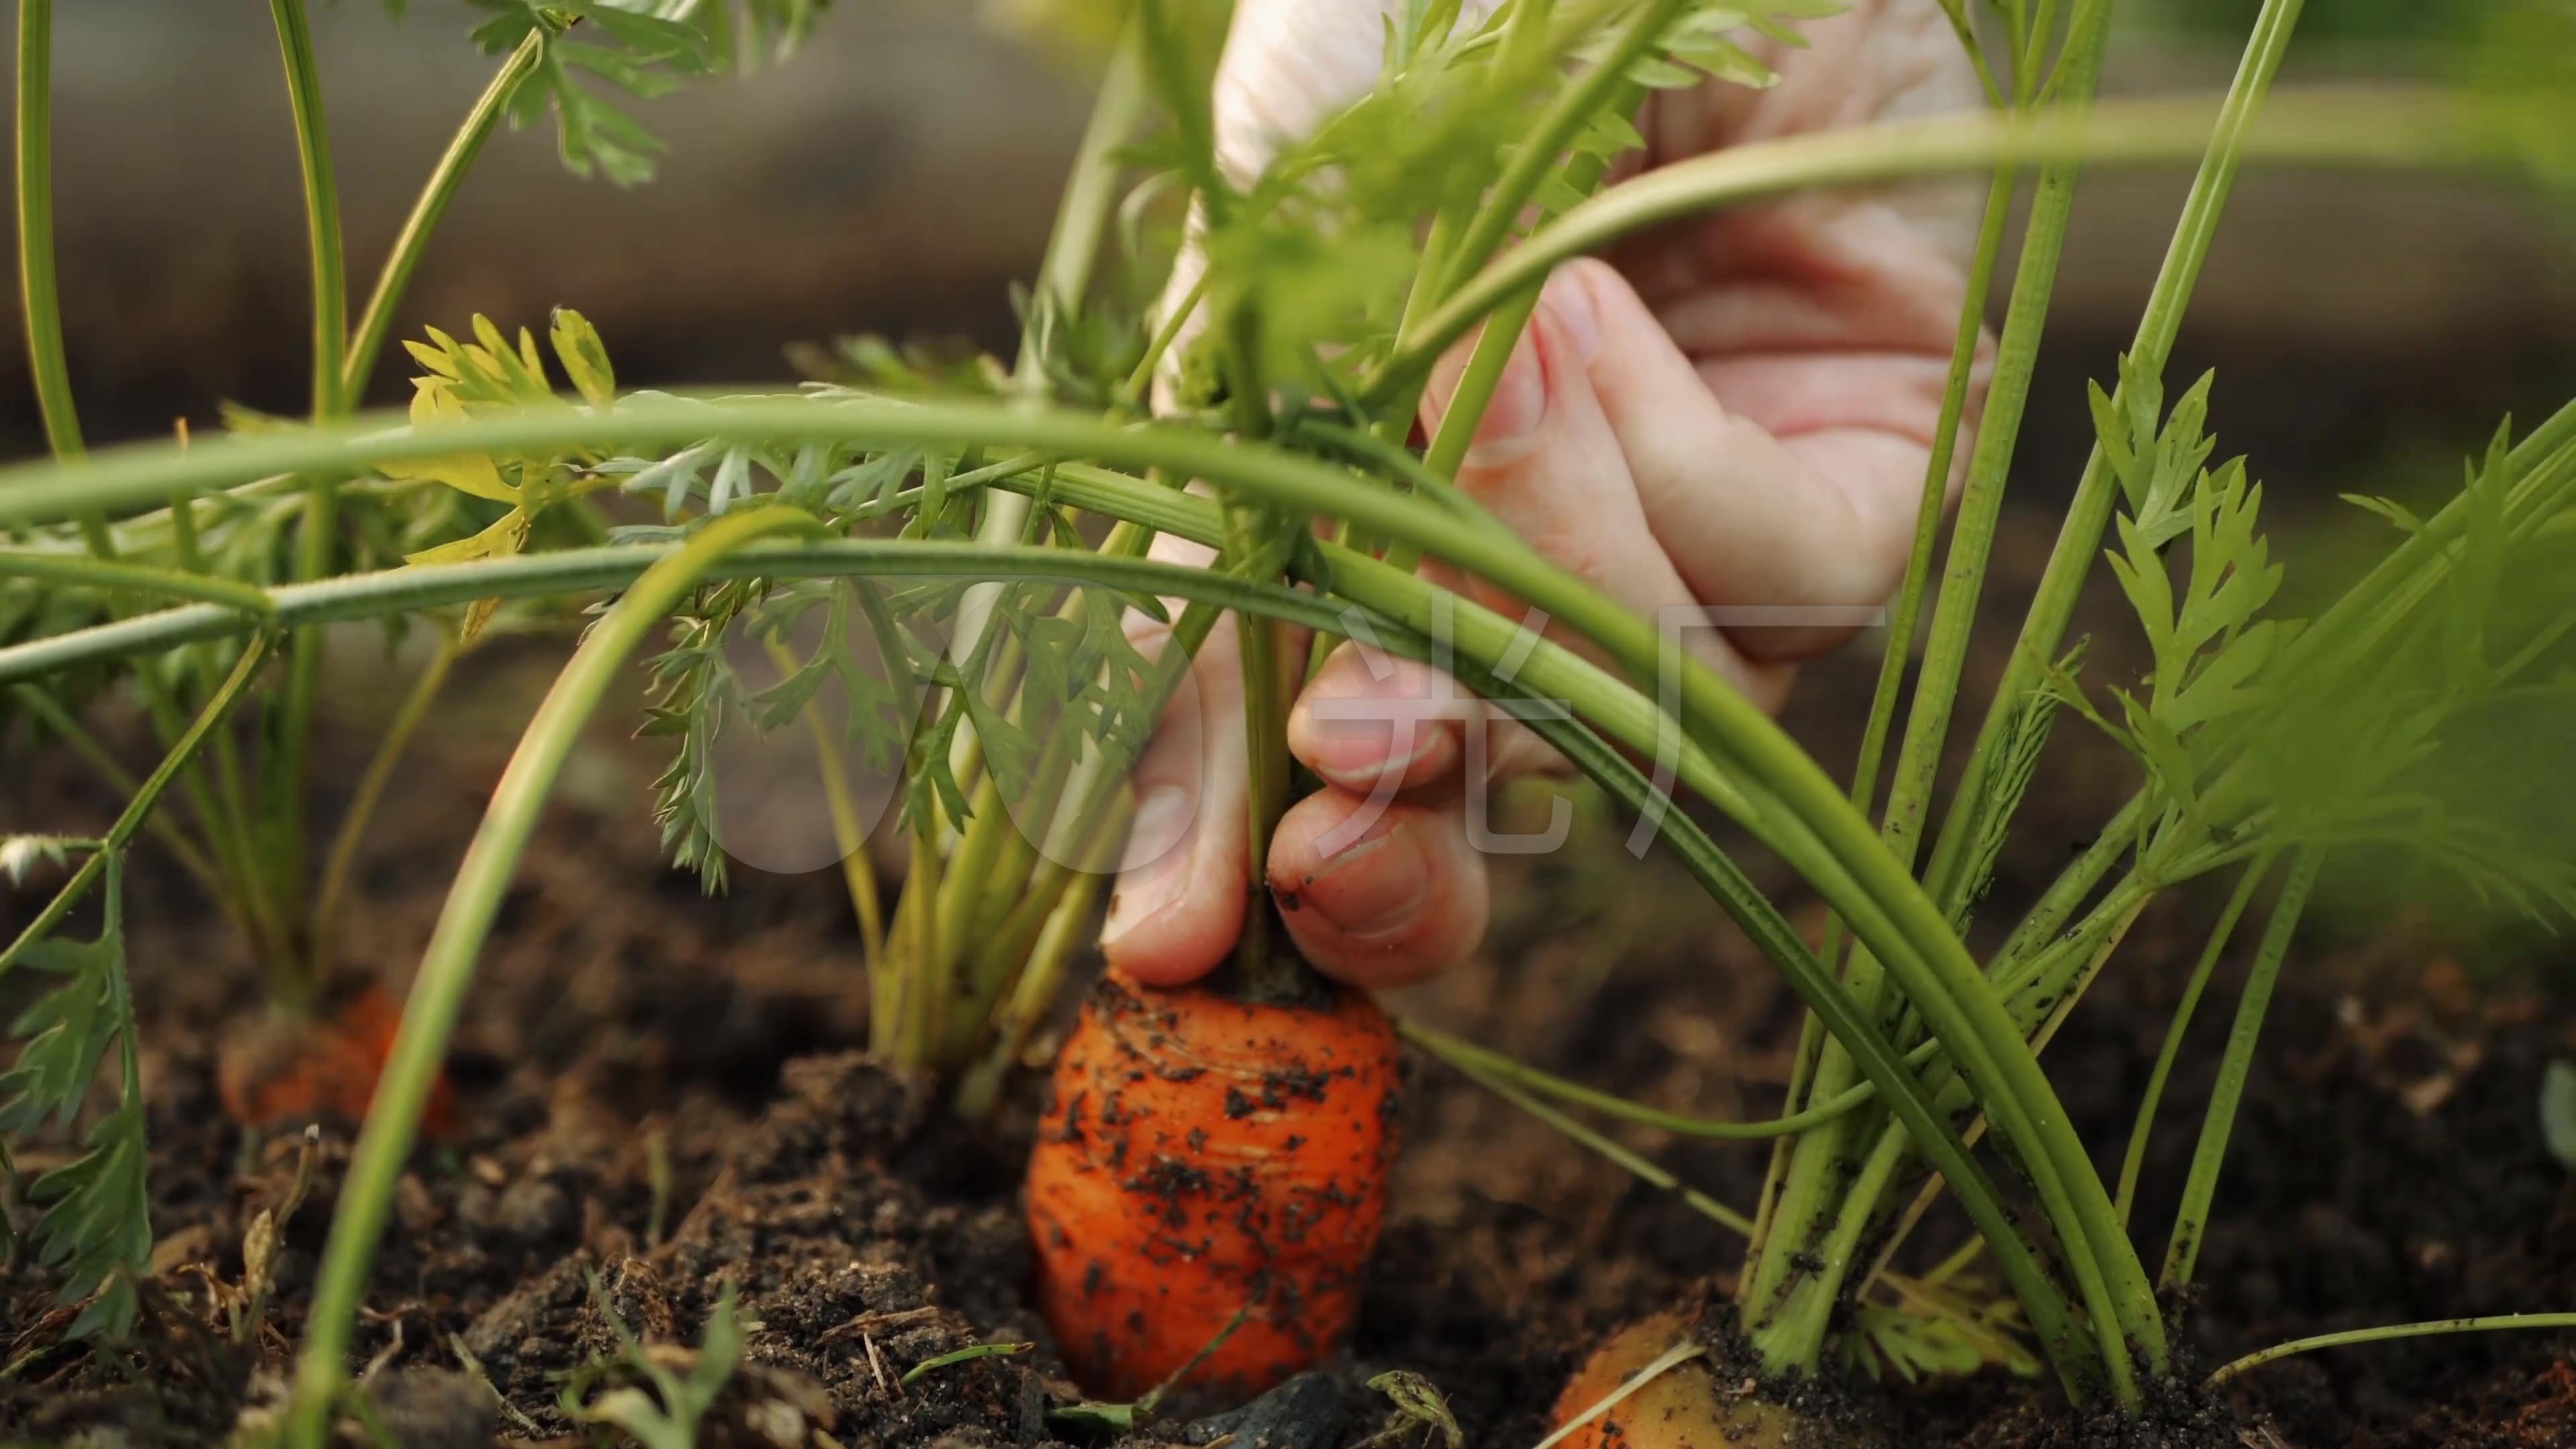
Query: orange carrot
x=1204 y=1158
x=1679 y=1408
x=295 y=1068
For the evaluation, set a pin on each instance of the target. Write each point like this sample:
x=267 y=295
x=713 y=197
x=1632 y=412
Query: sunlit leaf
x=434 y=404
x=584 y=358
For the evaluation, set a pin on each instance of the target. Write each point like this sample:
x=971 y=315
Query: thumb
x=1179 y=902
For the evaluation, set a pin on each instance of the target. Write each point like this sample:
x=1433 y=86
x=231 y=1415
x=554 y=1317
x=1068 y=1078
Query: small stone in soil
x=434 y=1408
x=1303 y=1413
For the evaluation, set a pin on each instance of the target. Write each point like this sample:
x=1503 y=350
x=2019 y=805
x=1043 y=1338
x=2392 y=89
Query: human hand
x=1734 y=412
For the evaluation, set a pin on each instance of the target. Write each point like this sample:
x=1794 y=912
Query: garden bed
x=664 y=1092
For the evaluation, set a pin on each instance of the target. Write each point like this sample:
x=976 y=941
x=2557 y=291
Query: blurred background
x=897 y=175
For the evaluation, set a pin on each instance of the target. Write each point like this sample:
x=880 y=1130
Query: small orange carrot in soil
x=1681 y=1408
x=1204 y=1157
x=285 y=1068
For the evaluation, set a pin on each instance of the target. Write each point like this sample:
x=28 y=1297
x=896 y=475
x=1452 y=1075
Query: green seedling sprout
x=968 y=1354
x=1128 y=1418
x=668 y=1416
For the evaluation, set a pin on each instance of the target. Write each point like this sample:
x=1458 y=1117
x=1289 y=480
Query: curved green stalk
x=1468 y=1056
x=47 y=710
x=2345 y=126
x=1963 y=578
x=87 y=572
x=447 y=968
x=1635 y=1164
x=1481 y=635
x=2126 y=1197
x=282 y=813
x=2191 y=1220
x=1504 y=325
x=376 y=322
x=2492 y=1323
x=371 y=788
x=321 y=205
x=1935 y=499
x=2076 y=1356
x=39 y=298
x=139 y=808
x=2079 y=538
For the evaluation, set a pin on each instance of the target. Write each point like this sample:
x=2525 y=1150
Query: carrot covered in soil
x=292 y=1068
x=1207 y=1158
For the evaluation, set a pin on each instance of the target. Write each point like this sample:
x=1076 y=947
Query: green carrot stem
x=2132 y=1162
x=2191 y=1220
x=282 y=810
x=1467 y=1056
x=39 y=295
x=1032 y=996
x=1817 y=1179
x=98 y=573
x=1635 y=1164
x=407 y=720
x=138 y=809
x=2492 y=1323
x=321 y=206
x=849 y=833
x=376 y=322
x=54 y=717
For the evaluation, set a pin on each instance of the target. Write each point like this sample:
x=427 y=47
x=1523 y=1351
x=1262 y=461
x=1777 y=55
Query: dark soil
x=662 y=1102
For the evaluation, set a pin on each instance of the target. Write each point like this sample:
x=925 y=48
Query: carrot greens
x=938 y=572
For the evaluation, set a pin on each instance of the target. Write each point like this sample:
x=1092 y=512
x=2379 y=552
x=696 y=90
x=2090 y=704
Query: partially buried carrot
x=290 y=1068
x=1205 y=1159
x=1681 y=1407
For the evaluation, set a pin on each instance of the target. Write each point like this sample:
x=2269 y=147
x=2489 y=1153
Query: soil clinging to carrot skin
x=1208 y=1177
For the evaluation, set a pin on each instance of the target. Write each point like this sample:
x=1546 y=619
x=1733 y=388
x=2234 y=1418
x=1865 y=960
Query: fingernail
x=1568 y=303
x=1354 y=727
x=1155 y=869
x=1372 y=886
x=1359 y=764
x=1518 y=406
